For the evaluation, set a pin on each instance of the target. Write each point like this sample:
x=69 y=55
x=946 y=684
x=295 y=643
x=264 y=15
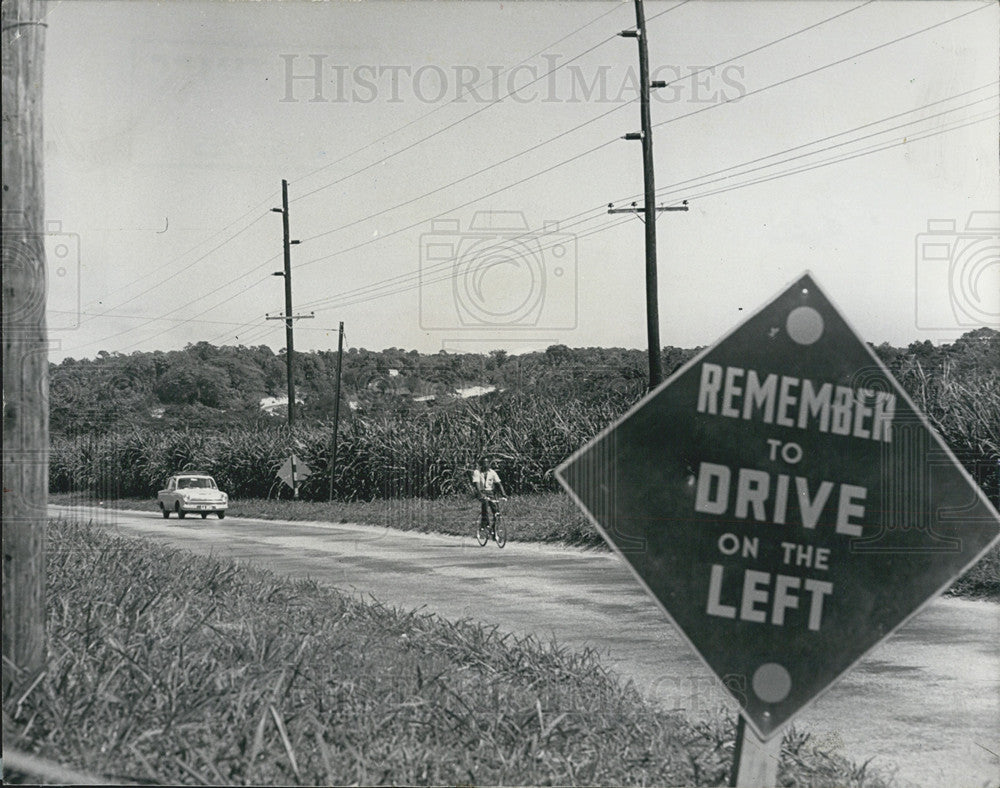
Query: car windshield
x=188 y=482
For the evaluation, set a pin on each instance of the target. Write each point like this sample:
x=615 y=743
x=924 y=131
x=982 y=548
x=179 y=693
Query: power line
x=878 y=148
x=566 y=224
x=575 y=128
x=504 y=161
x=696 y=181
x=805 y=168
x=457 y=98
x=459 y=207
x=190 y=265
x=365 y=298
x=325 y=166
x=471 y=175
x=443 y=266
x=453 y=124
x=702 y=182
x=813 y=71
x=755 y=50
x=372 y=290
x=182 y=321
x=605 y=114
x=667 y=11
x=821 y=68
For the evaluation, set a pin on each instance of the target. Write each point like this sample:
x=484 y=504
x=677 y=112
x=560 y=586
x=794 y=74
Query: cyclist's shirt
x=485 y=481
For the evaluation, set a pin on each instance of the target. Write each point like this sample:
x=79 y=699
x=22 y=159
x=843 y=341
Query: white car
x=192 y=493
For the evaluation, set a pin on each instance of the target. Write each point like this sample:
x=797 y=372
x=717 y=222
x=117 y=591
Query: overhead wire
x=733 y=169
x=458 y=96
x=534 y=147
x=781 y=82
x=816 y=70
x=398 y=284
x=679 y=185
x=452 y=125
x=268 y=199
x=179 y=271
x=353 y=248
x=877 y=148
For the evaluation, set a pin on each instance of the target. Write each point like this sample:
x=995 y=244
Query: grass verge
x=543 y=517
x=166 y=667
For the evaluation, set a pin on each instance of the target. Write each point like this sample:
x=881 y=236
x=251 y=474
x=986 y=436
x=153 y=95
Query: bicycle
x=495 y=529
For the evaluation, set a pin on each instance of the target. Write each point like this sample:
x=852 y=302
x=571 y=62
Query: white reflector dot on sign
x=771 y=683
x=804 y=325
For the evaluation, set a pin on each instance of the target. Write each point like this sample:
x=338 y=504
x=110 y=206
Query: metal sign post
x=784 y=502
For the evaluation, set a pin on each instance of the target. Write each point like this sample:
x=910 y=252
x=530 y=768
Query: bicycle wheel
x=500 y=531
x=482 y=534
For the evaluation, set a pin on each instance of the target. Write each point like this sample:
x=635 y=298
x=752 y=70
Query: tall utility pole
x=336 y=408
x=25 y=347
x=289 y=317
x=649 y=210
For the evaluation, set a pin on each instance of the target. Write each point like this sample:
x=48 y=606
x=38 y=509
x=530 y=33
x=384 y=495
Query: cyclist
x=485 y=480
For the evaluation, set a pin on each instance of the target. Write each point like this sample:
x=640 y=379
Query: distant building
x=271 y=404
x=475 y=391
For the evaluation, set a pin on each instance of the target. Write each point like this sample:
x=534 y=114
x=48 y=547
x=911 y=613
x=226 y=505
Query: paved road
x=927 y=701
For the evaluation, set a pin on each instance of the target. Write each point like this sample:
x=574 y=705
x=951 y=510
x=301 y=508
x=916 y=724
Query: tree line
x=213 y=387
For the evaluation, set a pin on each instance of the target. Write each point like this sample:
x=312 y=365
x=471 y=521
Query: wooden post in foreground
x=25 y=347
x=755 y=762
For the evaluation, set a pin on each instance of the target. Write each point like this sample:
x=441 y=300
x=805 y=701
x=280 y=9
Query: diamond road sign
x=302 y=471
x=784 y=501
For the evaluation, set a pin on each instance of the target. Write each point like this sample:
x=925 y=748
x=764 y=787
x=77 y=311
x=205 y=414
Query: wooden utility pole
x=649 y=210
x=289 y=317
x=336 y=408
x=25 y=346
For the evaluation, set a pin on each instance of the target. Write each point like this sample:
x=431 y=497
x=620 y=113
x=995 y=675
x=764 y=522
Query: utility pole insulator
x=641 y=209
x=658 y=83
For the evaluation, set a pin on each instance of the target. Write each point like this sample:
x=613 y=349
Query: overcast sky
x=813 y=135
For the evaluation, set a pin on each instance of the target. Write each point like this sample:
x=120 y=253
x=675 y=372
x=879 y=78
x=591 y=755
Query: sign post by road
x=784 y=502
x=293 y=473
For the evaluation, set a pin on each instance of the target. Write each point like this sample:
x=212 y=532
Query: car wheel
x=164 y=511
x=222 y=515
x=204 y=515
x=180 y=512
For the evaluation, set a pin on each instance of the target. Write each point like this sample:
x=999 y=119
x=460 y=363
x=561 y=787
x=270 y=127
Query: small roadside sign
x=294 y=472
x=786 y=504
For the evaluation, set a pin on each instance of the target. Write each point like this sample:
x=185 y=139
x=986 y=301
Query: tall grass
x=430 y=454
x=170 y=668
x=388 y=456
